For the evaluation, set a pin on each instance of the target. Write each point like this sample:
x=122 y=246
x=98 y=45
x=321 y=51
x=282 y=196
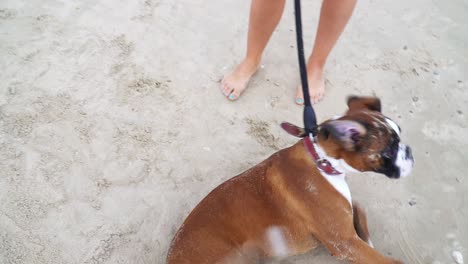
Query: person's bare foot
x=235 y=83
x=316 y=85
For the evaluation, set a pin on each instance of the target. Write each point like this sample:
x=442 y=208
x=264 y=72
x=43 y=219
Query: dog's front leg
x=338 y=234
x=355 y=250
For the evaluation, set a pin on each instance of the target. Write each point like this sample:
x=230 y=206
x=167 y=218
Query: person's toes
x=299 y=101
x=225 y=88
x=299 y=96
x=227 y=91
x=318 y=97
x=314 y=99
x=233 y=96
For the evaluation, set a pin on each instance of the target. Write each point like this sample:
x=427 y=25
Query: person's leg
x=334 y=16
x=264 y=16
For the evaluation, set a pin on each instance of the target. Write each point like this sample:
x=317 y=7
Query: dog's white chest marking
x=337 y=181
x=340 y=184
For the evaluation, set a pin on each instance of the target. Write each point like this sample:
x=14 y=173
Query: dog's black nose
x=408 y=153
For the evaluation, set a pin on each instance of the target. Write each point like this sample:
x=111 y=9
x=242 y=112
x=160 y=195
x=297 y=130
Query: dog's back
x=238 y=219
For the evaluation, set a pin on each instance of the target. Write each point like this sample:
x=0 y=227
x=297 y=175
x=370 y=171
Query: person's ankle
x=317 y=65
x=251 y=61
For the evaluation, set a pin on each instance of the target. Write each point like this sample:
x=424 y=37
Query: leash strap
x=310 y=120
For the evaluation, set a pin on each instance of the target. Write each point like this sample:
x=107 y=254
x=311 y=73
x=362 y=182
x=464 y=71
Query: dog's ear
x=347 y=133
x=293 y=130
x=359 y=103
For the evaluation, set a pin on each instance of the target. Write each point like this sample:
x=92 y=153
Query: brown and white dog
x=298 y=197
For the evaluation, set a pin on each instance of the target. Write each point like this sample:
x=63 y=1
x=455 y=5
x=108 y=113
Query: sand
x=112 y=126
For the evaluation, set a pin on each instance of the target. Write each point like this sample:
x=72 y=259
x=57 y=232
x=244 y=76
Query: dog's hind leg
x=360 y=224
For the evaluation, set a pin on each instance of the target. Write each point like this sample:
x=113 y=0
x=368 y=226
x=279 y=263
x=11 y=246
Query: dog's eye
x=386 y=154
x=389 y=153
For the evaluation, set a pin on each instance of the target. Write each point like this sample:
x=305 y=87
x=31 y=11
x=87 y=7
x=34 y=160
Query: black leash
x=310 y=121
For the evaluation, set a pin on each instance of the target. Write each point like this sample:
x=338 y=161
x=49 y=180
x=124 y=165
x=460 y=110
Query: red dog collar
x=323 y=164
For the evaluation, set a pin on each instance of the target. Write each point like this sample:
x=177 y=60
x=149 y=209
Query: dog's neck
x=337 y=181
x=339 y=164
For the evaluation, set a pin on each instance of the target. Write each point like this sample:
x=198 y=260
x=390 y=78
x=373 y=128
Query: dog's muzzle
x=404 y=160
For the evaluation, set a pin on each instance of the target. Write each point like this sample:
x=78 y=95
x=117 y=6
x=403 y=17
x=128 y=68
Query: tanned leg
x=264 y=17
x=334 y=16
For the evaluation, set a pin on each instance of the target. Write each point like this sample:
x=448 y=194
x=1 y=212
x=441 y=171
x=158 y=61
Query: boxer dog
x=298 y=197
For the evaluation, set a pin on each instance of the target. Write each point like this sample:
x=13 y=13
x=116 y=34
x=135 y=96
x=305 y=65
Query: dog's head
x=366 y=139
